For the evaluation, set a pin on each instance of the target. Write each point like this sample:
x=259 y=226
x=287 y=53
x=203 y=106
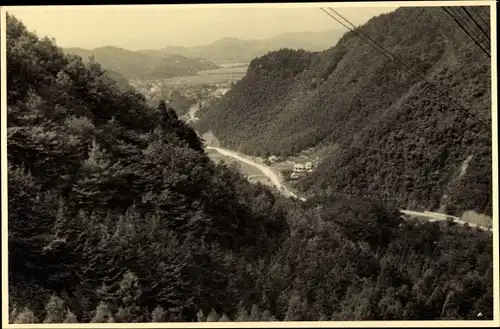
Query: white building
x=299 y=167
x=273 y=158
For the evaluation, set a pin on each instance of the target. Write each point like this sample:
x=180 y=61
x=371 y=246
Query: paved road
x=434 y=217
x=277 y=179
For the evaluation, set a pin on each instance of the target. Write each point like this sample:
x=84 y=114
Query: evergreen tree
x=70 y=317
x=224 y=318
x=55 y=310
x=26 y=316
x=102 y=314
x=213 y=316
x=158 y=314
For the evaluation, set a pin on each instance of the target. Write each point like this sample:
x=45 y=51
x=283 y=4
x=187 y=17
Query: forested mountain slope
x=121 y=81
x=393 y=137
x=98 y=180
x=135 y=65
x=117 y=215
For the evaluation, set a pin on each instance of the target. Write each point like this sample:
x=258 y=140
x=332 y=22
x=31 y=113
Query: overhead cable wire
x=466 y=31
x=459 y=107
x=477 y=35
x=391 y=56
x=480 y=16
x=477 y=24
x=347 y=27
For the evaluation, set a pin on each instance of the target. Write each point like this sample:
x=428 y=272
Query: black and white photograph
x=306 y=163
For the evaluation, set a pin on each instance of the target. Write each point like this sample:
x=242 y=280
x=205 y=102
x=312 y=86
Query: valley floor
x=257 y=171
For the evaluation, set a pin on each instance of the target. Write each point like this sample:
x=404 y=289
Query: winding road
x=277 y=179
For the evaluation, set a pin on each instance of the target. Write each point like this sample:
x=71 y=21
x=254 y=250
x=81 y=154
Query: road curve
x=277 y=180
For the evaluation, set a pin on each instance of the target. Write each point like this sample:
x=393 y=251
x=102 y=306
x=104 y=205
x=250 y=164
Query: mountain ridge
x=136 y=65
x=235 y=50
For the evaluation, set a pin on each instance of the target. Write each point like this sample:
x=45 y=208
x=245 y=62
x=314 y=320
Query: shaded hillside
x=235 y=50
x=181 y=103
x=394 y=137
x=135 y=65
x=121 y=81
x=116 y=214
x=101 y=186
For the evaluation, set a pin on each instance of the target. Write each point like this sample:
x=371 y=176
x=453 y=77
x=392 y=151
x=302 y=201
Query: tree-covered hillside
x=390 y=136
x=181 y=103
x=101 y=185
x=121 y=81
x=116 y=214
x=135 y=65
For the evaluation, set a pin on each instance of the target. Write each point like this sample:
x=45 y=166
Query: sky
x=155 y=27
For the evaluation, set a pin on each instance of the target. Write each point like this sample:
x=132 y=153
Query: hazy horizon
x=155 y=27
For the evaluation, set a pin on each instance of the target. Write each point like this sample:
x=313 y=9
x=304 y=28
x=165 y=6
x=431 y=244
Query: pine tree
x=123 y=315
x=55 y=310
x=224 y=318
x=266 y=316
x=158 y=314
x=70 y=317
x=295 y=310
x=26 y=316
x=212 y=316
x=102 y=314
x=255 y=313
x=200 y=316
x=242 y=315
x=13 y=314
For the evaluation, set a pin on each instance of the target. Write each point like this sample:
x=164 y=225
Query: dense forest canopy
x=386 y=134
x=116 y=214
x=120 y=80
x=180 y=102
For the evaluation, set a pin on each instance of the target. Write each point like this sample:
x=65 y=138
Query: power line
x=347 y=27
x=478 y=37
x=394 y=58
x=466 y=31
x=477 y=24
x=481 y=35
x=480 y=16
x=391 y=56
x=466 y=112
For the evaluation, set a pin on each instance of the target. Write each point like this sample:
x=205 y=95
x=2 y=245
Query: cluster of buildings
x=298 y=167
x=161 y=89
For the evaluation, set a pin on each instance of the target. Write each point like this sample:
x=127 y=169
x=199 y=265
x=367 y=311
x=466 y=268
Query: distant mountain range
x=136 y=65
x=233 y=50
